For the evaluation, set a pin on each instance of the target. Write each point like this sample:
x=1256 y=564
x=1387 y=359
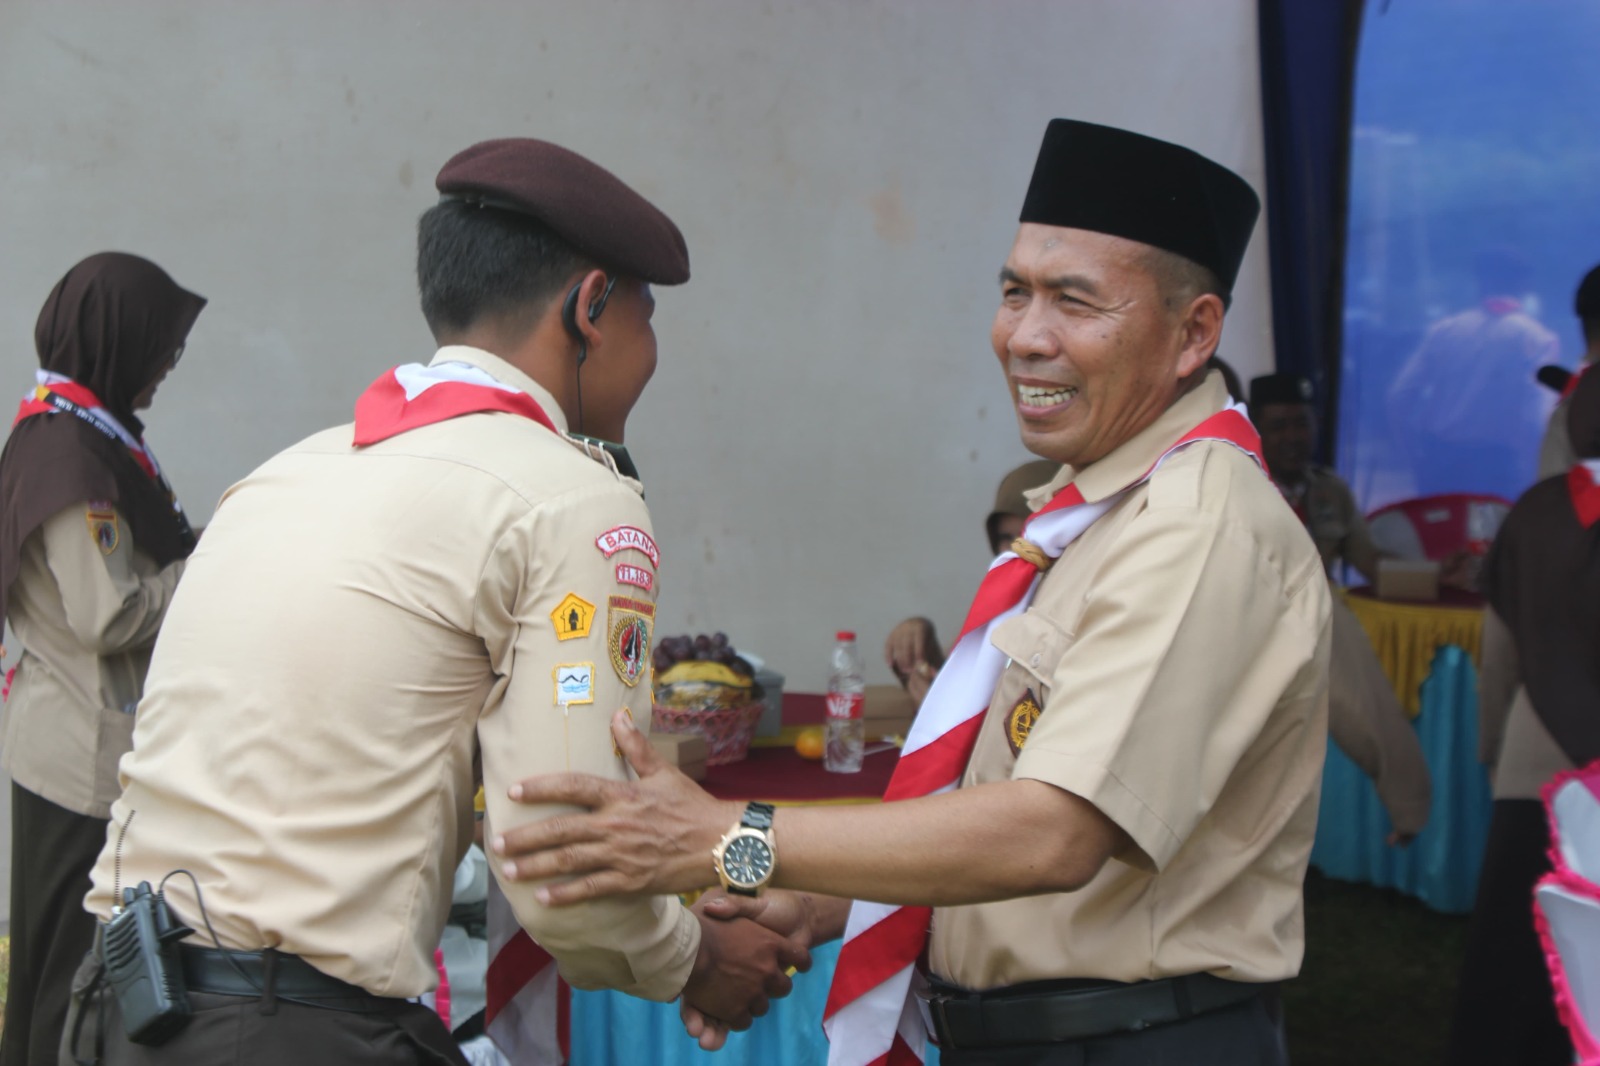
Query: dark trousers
x=1245 y=1034
x=249 y=1031
x=1505 y=1006
x=52 y=852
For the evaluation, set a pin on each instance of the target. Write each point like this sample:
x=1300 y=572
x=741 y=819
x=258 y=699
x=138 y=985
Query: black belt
x=1042 y=1014
x=272 y=975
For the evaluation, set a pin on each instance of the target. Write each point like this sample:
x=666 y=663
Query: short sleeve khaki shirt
x=356 y=627
x=1171 y=670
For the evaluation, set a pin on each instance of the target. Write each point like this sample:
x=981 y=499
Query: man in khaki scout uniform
x=456 y=577
x=1138 y=748
x=1364 y=716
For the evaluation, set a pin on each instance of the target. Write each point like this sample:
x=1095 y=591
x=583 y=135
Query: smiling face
x=1093 y=339
x=1287 y=432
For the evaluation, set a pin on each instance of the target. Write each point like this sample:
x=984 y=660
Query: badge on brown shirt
x=1019 y=723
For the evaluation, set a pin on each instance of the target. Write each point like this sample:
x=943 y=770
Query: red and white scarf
x=1583 y=485
x=873 y=1017
x=414 y=395
x=57 y=392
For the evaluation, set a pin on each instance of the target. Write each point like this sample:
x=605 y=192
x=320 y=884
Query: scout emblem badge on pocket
x=628 y=627
x=1019 y=723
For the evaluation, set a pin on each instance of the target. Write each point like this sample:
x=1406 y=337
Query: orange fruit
x=810 y=742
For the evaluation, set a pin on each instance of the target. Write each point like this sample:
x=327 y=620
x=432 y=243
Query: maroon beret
x=585 y=204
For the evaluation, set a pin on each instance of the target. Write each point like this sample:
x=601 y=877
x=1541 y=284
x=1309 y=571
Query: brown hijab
x=1542 y=577
x=113 y=325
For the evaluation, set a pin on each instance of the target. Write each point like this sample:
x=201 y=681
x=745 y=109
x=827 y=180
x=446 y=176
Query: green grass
x=1379 y=979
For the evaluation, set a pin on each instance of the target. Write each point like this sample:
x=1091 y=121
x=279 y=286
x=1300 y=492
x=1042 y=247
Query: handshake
x=748 y=949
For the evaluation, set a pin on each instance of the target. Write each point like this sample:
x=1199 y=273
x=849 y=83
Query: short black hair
x=475 y=263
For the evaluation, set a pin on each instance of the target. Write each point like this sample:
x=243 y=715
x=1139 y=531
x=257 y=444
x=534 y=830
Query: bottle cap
x=844 y=634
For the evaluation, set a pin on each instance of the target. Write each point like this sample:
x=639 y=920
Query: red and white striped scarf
x=873 y=1016
x=57 y=392
x=414 y=395
x=526 y=1010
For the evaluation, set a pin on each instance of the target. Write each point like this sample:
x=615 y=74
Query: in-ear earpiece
x=569 y=313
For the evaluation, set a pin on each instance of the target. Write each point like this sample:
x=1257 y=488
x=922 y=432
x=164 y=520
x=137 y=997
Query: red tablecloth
x=777 y=773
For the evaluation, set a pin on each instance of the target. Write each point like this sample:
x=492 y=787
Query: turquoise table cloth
x=608 y=1027
x=1441 y=866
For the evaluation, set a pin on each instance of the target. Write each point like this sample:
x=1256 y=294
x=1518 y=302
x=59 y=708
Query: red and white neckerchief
x=1572 y=383
x=415 y=395
x=527 y=1003
x=57 y=392
x=528 y=1008
x=1583 y=485
x=873 y=1016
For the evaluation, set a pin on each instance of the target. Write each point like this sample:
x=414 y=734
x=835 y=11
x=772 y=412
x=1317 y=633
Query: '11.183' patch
x=1019 y=723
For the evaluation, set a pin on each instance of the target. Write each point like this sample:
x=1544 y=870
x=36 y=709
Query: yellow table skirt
x=1406 y=636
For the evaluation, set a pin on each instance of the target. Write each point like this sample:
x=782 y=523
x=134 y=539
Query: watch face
x=747 y=860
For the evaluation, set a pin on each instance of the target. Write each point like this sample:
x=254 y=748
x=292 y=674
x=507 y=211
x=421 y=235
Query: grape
x=719 y=640
x=702 y=643
x=742 y=667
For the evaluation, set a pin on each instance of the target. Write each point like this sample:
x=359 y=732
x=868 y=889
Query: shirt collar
x=506 y=374
x=1132 y=459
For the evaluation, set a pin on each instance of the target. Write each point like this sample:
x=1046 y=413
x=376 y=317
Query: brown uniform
x=356 y=629
x=1177 y=655
x=85 y=606
x=1364 y=716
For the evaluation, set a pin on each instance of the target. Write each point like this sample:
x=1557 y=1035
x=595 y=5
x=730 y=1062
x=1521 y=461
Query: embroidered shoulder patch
x=574 y=684
x=103 y=528
x=572 y=617
x=637 y=576
x=1019 y=723
x=628 y=637
x=620 y=538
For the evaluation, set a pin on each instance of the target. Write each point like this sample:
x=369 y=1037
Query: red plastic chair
x=1437 y=527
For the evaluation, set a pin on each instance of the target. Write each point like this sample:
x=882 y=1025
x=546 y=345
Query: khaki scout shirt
x=1336 y=523
x=356 y=626
x=1178 y=650
x=85 y=617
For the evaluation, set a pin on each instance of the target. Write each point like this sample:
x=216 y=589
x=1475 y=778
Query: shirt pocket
x=1034 y=645
x=114 y=740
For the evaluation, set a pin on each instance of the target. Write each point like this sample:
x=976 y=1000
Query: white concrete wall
x=827 y=424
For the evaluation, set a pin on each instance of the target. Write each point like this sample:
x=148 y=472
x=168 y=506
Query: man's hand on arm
x=656 y=835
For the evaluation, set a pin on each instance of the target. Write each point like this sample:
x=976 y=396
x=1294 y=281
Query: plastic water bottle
x=847 y=731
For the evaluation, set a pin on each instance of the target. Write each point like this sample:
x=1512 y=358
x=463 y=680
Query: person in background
x=1103 y=815
x=912 y=649
x=1556 y=455
x=1465 y=407
x=459 y=582
x=92 y=543
x=1364 y=716
x=1539 y=714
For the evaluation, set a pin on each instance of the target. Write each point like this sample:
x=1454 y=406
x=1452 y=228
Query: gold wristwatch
x=746 y=858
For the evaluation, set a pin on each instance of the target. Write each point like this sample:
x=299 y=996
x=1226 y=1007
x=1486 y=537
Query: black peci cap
x=1128 y=185
x=1279 y=388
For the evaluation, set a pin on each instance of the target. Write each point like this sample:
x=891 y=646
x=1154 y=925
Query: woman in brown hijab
x=1539 y=698
x=92 y=542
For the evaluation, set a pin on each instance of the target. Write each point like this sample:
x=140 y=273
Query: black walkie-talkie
x=139 y=947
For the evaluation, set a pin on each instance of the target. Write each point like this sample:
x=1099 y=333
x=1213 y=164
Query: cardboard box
x=686 y=751
x=1408 y=579
x=887 y=711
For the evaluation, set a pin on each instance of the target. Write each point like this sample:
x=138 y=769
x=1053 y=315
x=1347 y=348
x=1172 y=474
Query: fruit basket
x=702 y=686
x=727 y=730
